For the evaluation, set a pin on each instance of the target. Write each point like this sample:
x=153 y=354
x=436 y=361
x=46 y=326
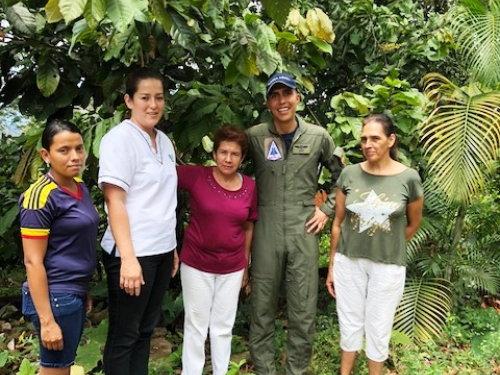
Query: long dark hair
x=388 y=128
x=54 y=127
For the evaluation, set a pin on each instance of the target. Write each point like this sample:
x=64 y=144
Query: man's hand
x=317 y=223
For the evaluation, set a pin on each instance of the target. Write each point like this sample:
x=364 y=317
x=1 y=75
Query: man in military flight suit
x=287 y=153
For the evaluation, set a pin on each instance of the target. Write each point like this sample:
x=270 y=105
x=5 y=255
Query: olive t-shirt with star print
x=374 y=226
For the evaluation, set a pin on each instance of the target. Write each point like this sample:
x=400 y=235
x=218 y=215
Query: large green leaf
x=461 y=136
x=21 y=18
x=8 y=218
x=80 y=30
x=159 y=10
x=117 y=44
x=244 y=49
x=121 y=13
x=47 y=75
x=225 y=114
x=231 y=73
x=52 y=11
x=423 y=309
x=100 y=130
x=181 y=32
x=321 y=44
x=71 y=9
x=94 y=12
x=268 y=60
x=277 y=10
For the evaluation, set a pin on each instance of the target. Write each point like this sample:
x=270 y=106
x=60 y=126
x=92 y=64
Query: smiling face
x=66 y=156
x=228 y=157
x=147 y=104
x=282 y=101
x=375 y=144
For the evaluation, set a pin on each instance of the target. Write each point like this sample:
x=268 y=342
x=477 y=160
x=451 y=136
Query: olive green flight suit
x=281 y=248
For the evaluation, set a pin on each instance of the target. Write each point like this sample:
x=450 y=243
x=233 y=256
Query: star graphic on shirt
x=373 y=212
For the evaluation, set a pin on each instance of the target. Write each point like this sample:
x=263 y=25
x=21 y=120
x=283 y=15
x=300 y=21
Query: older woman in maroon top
x=216 y=249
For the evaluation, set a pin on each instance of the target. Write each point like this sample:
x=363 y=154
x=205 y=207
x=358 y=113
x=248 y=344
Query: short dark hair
x=135 y=77
x=388 y=128
x=54 y=127
x=231 y=133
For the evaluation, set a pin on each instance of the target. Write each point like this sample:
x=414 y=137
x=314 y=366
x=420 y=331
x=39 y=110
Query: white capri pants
x=210 y=303
x=367 y=294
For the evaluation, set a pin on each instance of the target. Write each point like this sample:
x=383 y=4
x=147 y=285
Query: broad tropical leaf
x=80 y=29
x=277 y=10
x=423 y=309
x=320 y=25
x=121 y=13
x=461 y=136
x=47 y=75
x=52 y=11
x=244 y=50
x=117 y=44
x=8 y=218
x=159 y=10
x=71 y=9
x=181 y=32
x=477 y=27
x=94 y=12
x=21 y=18
x=321 y=44
x=268 y=60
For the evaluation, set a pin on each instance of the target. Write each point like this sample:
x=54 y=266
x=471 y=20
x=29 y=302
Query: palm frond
x=423 y=309
x=477 y=29
x=461 y=136
x=478 y=270
x=426 y=231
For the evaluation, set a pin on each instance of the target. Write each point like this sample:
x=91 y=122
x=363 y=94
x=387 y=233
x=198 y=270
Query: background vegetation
x=433 y=66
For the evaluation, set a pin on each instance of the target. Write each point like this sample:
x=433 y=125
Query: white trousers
x=210 y=303
x=367 y=294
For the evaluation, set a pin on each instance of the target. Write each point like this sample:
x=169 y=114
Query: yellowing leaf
x=308 y=84
x=294 y=18
x=71 y=9
x=303 y=29
x=52 y=11
x=320 y=25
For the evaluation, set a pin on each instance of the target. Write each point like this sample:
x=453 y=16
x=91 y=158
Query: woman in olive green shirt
x=381 y=201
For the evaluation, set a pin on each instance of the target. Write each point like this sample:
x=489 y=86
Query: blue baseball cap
x=283 y=78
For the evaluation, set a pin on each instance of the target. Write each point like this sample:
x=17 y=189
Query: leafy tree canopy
x=65 y=55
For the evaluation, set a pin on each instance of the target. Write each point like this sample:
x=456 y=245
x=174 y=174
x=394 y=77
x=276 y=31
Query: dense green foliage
x=433 y=66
